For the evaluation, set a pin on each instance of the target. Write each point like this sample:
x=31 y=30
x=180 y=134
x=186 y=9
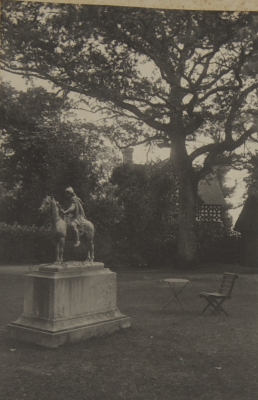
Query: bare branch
x=217 y=148
x=137 y=143
x=235 y=108
x=208 y=57
x=220 y=89
x=144 y=118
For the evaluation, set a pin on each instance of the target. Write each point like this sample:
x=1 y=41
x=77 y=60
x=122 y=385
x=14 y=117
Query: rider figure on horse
x=76 y=212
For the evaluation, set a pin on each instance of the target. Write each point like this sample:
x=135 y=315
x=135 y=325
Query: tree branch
x=137 y=143
x=219 y=89
x=234 y=109
x=217 y=148
x=146 y=119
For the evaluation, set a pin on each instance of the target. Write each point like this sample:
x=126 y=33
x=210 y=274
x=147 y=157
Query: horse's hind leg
x=57 y=252
x=90 y=253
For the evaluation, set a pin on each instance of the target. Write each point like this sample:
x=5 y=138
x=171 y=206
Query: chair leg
x=208 y=305
x=217 y=306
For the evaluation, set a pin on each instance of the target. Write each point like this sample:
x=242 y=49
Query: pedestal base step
x=52 y=340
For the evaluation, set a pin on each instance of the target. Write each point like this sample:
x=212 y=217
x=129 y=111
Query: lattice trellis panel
x=205 y=212
x=209 y=212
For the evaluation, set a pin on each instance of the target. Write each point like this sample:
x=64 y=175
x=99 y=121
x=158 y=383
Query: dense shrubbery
x=23 y=243
x=135 y=220
x=216 y=243
x=146 y=230
x=20 y=244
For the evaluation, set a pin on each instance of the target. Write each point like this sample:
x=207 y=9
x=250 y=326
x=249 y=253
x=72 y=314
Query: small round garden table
x=173 y=283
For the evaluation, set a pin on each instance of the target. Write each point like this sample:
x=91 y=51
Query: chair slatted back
x=227 y=284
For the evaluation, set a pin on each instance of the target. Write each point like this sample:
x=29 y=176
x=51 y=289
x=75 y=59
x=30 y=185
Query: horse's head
x=46 y=205
x=51 y=207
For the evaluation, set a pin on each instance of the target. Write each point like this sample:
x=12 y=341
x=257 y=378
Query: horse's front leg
x=61 y=249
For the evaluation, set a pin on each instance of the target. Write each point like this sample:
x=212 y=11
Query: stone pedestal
x=68 y=303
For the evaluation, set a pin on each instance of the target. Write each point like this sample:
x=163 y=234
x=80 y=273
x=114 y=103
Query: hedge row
x=22 y=244
x=217 y=244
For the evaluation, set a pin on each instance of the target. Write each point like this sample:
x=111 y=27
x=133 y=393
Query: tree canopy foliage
x=41 y=154
x=186 y=80
x=172 y=70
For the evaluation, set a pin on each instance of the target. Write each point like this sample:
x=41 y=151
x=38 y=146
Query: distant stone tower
x=128 y=156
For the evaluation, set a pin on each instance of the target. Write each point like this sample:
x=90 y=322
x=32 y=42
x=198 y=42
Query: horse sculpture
x=61 y=227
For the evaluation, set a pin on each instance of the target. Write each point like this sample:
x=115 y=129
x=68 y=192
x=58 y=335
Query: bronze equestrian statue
x=76 y=222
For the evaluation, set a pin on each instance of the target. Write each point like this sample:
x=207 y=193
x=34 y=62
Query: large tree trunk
x=187 y=245
x=187 y=256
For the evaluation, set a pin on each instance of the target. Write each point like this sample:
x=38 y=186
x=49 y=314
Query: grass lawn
x=172 y=354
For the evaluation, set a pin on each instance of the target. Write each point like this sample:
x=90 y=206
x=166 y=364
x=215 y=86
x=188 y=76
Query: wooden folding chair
x=216 y=299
